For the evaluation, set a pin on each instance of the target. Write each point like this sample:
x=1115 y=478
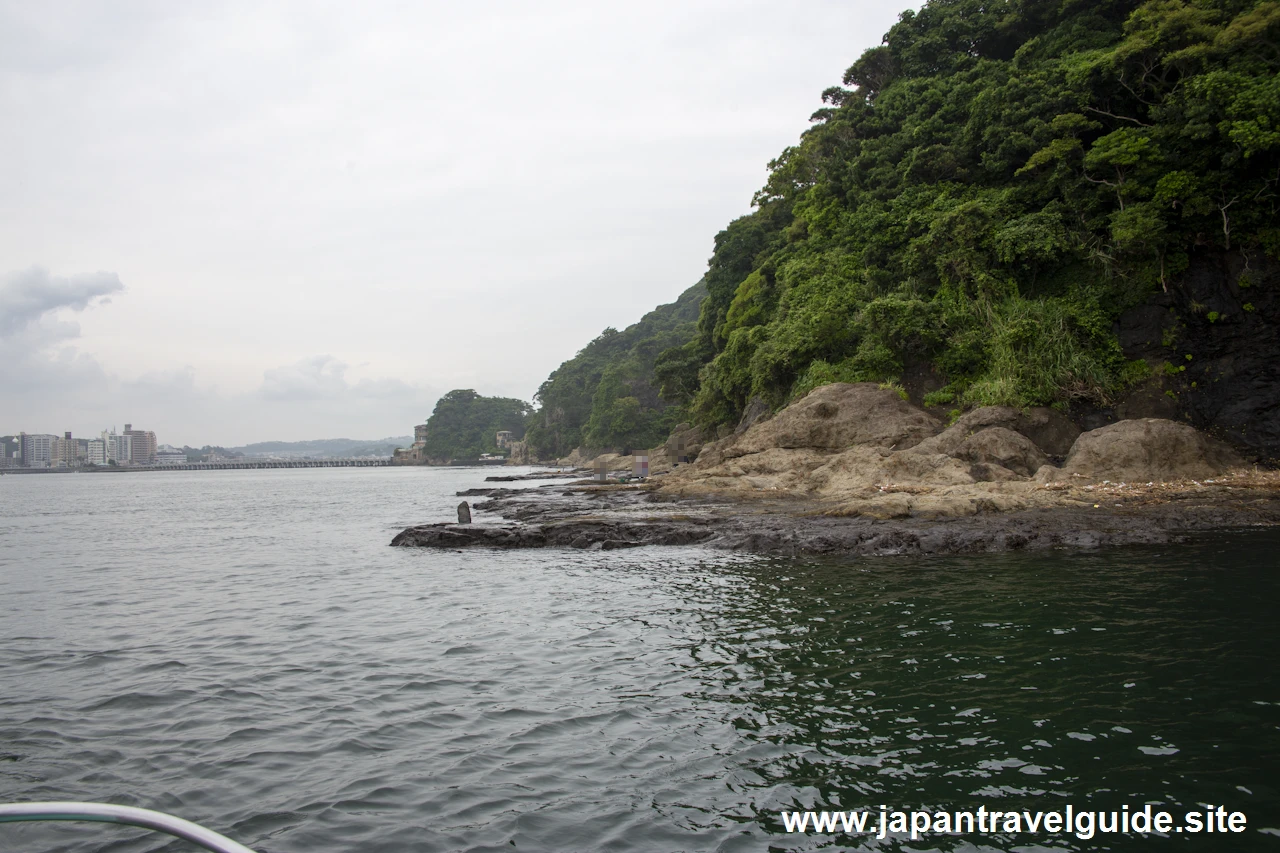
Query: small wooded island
x=1023 y=252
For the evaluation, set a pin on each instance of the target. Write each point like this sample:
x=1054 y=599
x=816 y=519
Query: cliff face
x=1214 y=342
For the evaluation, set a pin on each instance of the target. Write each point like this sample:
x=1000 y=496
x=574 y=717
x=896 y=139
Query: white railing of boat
x=127 y=815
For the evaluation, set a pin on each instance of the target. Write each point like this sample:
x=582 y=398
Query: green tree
x=465 y=424
x=608 y=397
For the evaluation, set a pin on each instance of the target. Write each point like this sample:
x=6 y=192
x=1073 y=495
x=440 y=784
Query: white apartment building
x=97 y=454
x=119 y=447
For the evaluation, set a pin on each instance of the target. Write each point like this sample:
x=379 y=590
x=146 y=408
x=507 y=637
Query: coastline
x=589 y=515
x=856 y=469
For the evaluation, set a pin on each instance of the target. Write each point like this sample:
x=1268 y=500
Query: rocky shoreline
x=607 y=517
x=854 y=469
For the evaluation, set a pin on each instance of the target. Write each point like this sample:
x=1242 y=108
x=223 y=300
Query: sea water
x=244 y=649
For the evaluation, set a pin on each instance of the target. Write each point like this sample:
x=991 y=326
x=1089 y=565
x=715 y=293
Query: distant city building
x=417 y=453
x=96 y=452
x=167 y=455
x=36 y=449
x=504 y=438
x=65 y=451
x=10 y=451
x=119 y=447
x=143 y=445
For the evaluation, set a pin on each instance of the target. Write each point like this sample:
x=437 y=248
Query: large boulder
x=1050 y=430
x=835 y=417
x=862 y=469
x=1145 y=449
x=1003 y=447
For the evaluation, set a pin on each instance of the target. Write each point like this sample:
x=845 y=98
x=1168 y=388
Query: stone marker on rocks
x=464 y=513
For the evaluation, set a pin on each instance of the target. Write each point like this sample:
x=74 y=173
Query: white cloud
x=26 y=296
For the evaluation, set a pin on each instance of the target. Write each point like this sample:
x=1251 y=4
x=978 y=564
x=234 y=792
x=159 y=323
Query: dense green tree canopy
x=465 y=425
x=607 y=396
x=986 y=192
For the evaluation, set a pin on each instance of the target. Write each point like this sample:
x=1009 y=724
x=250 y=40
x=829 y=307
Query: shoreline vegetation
x=1017 y=285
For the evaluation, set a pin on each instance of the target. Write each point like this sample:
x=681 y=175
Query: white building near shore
x=97 y=454
x=168 y=455
x=119 y=447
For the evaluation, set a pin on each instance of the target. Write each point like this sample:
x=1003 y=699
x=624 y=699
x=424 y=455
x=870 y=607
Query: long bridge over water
x=266 y=463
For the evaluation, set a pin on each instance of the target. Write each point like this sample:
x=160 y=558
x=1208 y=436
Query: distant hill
x=326 y=447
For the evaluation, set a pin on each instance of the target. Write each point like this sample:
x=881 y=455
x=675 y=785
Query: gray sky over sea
x=234 y=222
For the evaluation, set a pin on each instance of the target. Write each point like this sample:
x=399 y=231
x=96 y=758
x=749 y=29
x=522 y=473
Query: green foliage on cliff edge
x=986 y=192
x=465 y=425
x=607 y=397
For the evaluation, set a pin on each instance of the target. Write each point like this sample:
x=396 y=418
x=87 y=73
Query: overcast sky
x=236 y=222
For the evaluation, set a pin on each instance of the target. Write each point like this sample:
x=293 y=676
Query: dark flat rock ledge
x=594 y=535
x=603 y=521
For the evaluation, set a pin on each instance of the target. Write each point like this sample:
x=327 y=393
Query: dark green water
x=1022 y=682
x=247 y=652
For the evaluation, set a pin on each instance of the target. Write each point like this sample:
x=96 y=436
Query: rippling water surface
x=243 y=649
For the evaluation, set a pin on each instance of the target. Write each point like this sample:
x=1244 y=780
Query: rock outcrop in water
x=856 y=469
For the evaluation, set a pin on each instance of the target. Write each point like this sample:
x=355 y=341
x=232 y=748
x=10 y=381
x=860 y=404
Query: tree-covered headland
x=988 y=190
x=465 y=425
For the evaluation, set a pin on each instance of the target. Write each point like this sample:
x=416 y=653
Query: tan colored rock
x=865 y=471
x=610 y=462
x=1051 y=431
x=773 y=470
x=890 y=506
x=575 y=459
x=944 y=502
x=1144 y=450
x=1003 y=447
x=520 y=454
x=838 y=416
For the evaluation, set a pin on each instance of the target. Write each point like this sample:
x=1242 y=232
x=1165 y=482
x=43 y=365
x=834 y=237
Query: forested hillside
x=607 y=396
x=465 y=424
x=986 y=193
x=973 y=213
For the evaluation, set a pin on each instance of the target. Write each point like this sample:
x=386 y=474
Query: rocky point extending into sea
x=854 y=468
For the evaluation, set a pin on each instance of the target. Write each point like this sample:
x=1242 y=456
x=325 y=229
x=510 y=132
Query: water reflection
x=1019 y=681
